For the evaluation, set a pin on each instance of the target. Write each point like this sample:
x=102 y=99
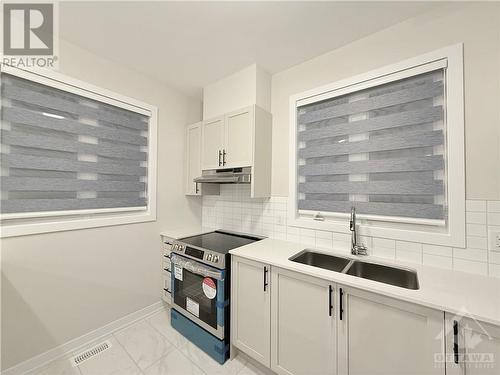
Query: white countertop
x=452 y=291
x=176 y=233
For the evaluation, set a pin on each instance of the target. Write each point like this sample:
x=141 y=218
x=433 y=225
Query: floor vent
x=82 y=357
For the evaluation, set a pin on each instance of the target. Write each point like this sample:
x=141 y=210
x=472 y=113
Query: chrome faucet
x=355 y=248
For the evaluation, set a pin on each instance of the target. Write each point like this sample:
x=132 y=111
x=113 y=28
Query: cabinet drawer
x=167 y=248
x=166 y=265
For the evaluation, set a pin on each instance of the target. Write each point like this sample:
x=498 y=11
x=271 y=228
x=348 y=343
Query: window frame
x=415 y=230
x=19 y=224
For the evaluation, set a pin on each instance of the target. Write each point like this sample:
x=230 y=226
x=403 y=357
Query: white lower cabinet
x=378 y=335
x=472 y=347
x=303 y=336
x=297 y=324
x=251 y=309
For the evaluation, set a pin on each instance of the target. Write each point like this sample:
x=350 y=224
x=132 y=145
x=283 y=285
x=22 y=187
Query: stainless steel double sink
x=396 y=276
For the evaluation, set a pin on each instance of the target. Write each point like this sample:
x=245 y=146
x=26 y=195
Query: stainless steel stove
x=201 y=288
x=211 y=248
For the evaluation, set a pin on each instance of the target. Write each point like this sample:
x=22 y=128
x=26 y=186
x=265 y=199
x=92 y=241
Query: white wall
x=477 y=26
x=59 y=286
x=251 y=85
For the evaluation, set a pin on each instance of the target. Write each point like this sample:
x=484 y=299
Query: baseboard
x=81 y=341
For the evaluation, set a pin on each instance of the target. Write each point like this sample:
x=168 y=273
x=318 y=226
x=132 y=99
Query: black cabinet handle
x=223 y=157
x=220 y=155
x=330 y=306
x=196 y=188
x=341 y=308
x=265 y=278
x=166 y=290
x=455 y=341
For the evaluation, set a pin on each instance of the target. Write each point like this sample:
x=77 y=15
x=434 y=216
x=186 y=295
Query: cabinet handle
x=223 y=157
x=330 y=306
x=341 y=307
x=455 y=341
x=220 y=155
x=196 y=189
x=265 y=278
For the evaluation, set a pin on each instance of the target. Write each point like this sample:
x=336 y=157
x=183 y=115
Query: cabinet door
x=251 y=308
x=378 y=335
x=238 y=142
x=472 y=347
x=193 y=158
x=303 y=337
x=212 y=143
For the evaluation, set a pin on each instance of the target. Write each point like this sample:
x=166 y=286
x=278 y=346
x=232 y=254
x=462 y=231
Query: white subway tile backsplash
x=305 y=232
x=477 y=242
x=235 y=210
x=480 y=268
x=476 y=230
x=475 y=206
x=494 y=270
x=493 y=218
x=341 y=241
x=409 y=255
x=438 y=261
x=437 y=250
x=471 y=254
x=385 y=243
x=476 y=217
x=408 y=246
x=493 y=206
x=384 y=252
x=494 y=257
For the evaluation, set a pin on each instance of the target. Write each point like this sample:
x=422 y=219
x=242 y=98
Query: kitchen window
x=73 y=155
x=389 y=143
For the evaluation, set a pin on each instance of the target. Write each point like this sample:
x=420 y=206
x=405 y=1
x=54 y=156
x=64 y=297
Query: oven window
x=191 y=287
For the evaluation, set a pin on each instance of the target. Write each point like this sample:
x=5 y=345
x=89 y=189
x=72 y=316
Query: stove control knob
x=176 y=246
x=216 y=258
x=209 y=257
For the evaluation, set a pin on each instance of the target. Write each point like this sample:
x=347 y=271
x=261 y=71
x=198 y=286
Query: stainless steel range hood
x=225 y=176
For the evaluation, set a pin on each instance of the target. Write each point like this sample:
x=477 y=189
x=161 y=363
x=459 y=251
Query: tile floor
x=151 y=347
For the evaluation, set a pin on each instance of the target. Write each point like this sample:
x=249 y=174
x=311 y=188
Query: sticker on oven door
x=209 y=288
x=178 y=272
x=193 y=307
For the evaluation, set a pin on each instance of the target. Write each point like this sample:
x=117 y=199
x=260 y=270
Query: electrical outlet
x=495 y=241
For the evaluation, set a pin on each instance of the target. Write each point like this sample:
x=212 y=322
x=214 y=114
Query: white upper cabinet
x=193 y=158
x=212 y=143
x=242 y=138
x=238 y=138
x=381 y=335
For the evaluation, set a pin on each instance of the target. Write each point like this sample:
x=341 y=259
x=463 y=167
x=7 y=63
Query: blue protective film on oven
x=215 y=348
x=220 y=304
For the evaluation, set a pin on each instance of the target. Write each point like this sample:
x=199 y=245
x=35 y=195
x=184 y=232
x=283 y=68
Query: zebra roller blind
x=381 y=150
x=64 y=152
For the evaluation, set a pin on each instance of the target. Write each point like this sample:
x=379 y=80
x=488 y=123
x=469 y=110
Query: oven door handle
x=196 y=267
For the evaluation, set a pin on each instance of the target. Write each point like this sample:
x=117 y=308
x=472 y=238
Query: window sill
x=59 y=224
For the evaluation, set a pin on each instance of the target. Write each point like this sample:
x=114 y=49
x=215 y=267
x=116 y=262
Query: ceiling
x=188 y=45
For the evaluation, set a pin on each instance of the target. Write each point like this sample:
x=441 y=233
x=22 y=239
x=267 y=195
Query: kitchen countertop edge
x=455 y=292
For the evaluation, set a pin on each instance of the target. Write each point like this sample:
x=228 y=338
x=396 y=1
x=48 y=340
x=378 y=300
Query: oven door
x=198 y=293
